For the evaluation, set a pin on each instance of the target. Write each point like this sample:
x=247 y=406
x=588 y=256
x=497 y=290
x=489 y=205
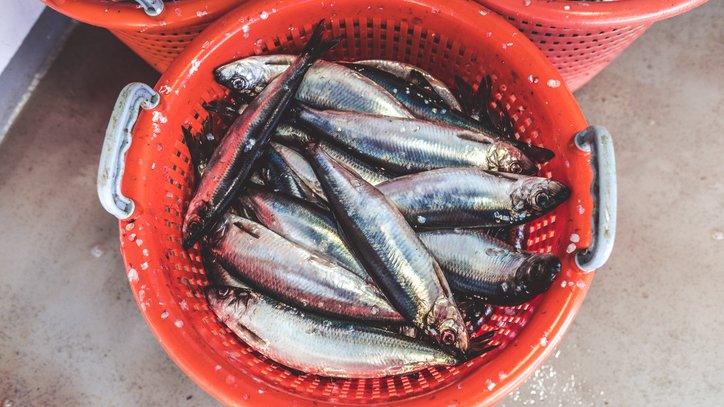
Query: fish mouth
x=220 y=76
x=562 y=193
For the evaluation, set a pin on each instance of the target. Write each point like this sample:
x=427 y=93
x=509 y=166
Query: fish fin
x=464 y=94
x=481 y=345
x=238 y=221
x=479 y=138
x=222 y=108
x=419 y=79
x=486 y=336
x=482 y=102
x=476 y=350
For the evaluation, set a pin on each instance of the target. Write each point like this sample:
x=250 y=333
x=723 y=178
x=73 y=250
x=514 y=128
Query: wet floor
x=650 y=332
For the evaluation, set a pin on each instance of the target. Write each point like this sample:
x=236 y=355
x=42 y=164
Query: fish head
x=534 y=196
x=245 y=74
x=504 y=157
x=537 y=273
x=446 y=325
x=229 y=303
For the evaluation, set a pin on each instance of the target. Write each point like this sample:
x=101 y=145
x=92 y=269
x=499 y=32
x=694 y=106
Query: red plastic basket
x=582 y=37
x=157 y=39
x=458 y=37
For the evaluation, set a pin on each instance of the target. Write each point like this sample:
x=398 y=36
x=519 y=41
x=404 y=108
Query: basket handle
x=116 y=144
x=151 y=7
x=597 y=141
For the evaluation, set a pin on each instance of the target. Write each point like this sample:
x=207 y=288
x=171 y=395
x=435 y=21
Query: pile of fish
x=349 y=214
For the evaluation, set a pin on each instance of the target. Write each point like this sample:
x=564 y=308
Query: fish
x=409 y=73
x=422 y=103
x=296 y=275
x=301 y=170
x=277 y=173
x=327 y=85
x=316 y=345
x=472 y=197
x=391 y=252
x=407 y=146
x=373 y=174
x=477 y=264
x=304 y=224
x=217 y=274
x=236 y=156
x=299 y=138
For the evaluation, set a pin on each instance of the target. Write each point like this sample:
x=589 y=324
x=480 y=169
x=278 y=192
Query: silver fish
x=425 y=104
x=217 y=274
x=412 y=145
x=296 y=275
x=368 y=172
x=327 y=84
x=301 y=168
x=404 y=71
x=234 y=159
x=294 y=136
x=302 y=223
x=315 y=345
x=277 y=173
x=472 y=197
x=475 y=263
x=393 y=255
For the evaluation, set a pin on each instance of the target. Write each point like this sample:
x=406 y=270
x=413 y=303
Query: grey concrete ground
x=650 y=332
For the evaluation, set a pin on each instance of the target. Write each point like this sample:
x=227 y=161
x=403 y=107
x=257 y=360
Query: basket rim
x=131 y=17
x=581 y=15
x=519 y=359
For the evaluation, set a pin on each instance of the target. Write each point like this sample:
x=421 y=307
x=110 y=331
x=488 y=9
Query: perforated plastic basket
x=582 y=37
x=149 y=189
x=157 y=38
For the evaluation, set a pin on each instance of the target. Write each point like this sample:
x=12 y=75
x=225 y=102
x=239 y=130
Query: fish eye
x=541 y=199
x=224 y=292
x=448 y=337
x=515 y=168
x=238 y=83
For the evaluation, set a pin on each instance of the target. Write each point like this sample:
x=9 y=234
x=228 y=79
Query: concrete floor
x=650 y=332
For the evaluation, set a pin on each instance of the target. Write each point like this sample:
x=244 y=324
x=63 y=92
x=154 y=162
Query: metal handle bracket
x=151 y=7
x=115 y=146
x=597 y=141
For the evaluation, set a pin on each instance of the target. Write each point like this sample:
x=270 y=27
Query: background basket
x=457 y=37
x=582 y=37
x=157 y=39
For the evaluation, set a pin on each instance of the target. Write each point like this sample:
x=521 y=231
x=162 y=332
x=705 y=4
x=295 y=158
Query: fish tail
x=316 y=46
x=538 y=154
x=480 y=345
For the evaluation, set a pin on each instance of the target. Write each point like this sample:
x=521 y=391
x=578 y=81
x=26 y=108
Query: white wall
x=18 y=16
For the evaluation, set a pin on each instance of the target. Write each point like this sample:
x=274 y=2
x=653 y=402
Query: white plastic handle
x=597 y=141
x=115 y=146
x=151 y=7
